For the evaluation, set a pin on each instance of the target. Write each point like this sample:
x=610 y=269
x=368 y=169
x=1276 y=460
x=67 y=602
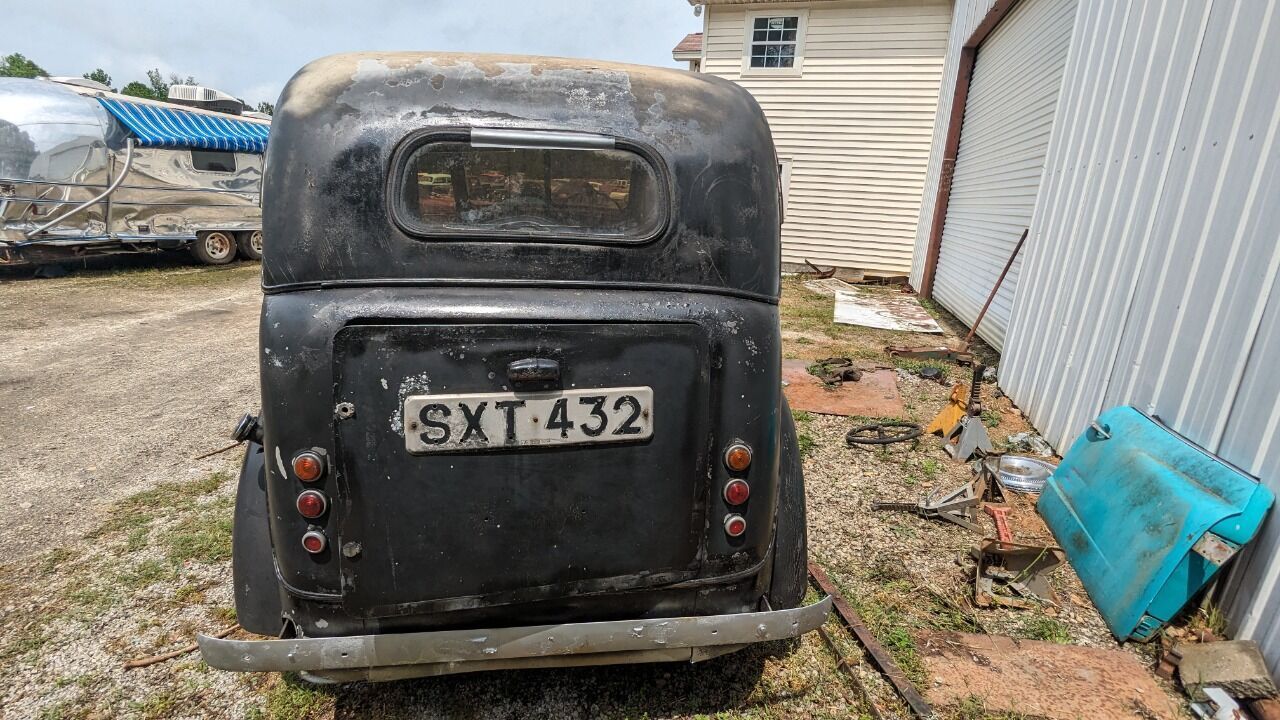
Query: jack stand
x=969 y=436
x=956 y=506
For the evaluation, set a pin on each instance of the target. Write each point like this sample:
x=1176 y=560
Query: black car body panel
x=365 y=310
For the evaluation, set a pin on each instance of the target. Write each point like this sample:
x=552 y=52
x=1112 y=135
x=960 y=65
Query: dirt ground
x=114 y=379
x=112 y=382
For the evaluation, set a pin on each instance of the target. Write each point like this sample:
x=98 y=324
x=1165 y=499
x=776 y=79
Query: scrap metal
x=877 y=652
x=969 y=436
x=882 y=433
x=1024 y=569
x=955 y=506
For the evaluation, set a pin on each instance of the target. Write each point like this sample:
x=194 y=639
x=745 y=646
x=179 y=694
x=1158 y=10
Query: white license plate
x=492 y=421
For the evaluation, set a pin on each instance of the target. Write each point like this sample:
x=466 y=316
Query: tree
x=17 y=65
x=266 y=107
x=99 y=75
x=159 y=88
x=137 y=89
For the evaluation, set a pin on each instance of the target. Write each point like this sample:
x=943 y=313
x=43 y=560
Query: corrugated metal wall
x=1003 y=140
x=966 y=15
x=855 y=123
x=1151 y=269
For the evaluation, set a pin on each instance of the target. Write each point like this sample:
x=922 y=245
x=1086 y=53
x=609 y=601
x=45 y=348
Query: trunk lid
x=463 y=526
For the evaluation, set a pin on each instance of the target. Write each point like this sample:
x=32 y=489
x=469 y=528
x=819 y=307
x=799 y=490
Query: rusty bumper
x=402 y=655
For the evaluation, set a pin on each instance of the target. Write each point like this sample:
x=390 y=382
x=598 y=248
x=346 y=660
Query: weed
x=146 y=573
x=1213 y=619
x=802 y=417
x=137 y=511
x=137 y=539
x=204 y=537
x=975 y=708
x=1045 y=628
x=290 y=699
x=930 y=467
x=990 y=418
x=157 y=706
x=806 y=444
x=225 y=614
x=54 y=559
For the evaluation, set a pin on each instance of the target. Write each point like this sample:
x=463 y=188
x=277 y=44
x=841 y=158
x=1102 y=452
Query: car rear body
x=522 y=414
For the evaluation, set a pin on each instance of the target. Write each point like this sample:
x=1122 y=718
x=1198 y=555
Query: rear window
x=455 y=188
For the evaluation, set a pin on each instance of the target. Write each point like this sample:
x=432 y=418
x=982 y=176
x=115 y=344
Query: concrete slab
x=875 y=395
x=1040 y=679
x=1233 y=665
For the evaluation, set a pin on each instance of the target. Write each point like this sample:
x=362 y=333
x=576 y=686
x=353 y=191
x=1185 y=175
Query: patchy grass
x=974 y=708
x=288 y=698
x=990 y=418
x=1042 y=627
x=804 y=439
x=138 y=510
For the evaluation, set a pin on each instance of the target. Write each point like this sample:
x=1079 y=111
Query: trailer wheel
x=215 y=247
x=790 y=534
x=250 y=244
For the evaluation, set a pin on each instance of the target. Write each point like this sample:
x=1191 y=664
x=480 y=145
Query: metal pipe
x=128 y=162
x=999 y=281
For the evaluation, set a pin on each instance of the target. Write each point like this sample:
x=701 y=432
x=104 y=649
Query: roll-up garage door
x=1003 y=139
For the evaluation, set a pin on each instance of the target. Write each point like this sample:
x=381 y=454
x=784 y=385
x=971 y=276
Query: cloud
x=250 y=48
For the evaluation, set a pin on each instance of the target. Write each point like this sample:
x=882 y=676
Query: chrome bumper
x=402 y=655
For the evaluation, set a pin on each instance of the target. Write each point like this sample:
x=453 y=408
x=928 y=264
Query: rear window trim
x=403 y=219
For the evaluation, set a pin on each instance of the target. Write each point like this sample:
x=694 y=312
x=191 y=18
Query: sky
x=250 y=49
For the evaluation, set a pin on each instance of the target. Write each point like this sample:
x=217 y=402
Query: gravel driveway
x=113 y=381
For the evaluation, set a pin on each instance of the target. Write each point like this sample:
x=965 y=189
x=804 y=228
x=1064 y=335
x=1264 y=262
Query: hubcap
x=217 y=245
x=255 y=241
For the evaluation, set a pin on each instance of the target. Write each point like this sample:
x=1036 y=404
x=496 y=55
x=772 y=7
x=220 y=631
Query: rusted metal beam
x=879 y=655
x=999 y=281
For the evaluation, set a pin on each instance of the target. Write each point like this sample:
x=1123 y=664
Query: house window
x=213 y=160
x=774 y=41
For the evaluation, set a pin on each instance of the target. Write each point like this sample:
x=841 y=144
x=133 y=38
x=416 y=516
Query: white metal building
x=1151 y=274
x=850 y=88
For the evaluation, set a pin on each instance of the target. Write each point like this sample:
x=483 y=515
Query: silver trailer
x=88 y=172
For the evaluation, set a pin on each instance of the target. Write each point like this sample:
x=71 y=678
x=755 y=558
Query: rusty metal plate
x=1040 y=679
x=875 y=395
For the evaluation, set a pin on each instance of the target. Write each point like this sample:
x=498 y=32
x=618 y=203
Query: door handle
x=533 y=370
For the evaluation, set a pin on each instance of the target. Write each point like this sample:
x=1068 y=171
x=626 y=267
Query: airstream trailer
x=86 y=172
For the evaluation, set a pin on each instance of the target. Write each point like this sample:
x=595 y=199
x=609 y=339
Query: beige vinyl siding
x=856 y=123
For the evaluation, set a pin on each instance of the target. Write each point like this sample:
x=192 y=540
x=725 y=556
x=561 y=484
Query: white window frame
x=802 y=27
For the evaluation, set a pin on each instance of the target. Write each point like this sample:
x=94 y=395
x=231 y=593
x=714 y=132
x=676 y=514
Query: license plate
x=493 y=421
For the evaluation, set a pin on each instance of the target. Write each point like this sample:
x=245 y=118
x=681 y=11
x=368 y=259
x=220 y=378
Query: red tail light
x=312 y=504
x=734 y=525
x=736 y=492
x=314 y=541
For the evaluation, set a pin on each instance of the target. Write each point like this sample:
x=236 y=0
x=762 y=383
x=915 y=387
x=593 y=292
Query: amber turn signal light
x=734 y=525
x=738 y=457
x=312 y=504
x=308 y=466
x=736 y=492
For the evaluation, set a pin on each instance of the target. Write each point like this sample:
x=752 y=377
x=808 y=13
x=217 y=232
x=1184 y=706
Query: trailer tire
x=790 y=535
x=250 y=244
x=214 y=247
x=253 y=569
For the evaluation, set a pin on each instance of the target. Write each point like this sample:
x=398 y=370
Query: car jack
x=969 y=436
x=956 y=506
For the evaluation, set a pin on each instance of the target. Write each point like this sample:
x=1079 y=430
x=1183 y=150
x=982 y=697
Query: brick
x=1236 y=666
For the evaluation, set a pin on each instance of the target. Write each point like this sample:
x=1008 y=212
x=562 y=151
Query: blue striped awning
x=158 y=126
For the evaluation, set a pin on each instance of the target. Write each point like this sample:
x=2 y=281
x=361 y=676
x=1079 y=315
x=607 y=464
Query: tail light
x=314 y=542
x=736 y=492
x=308 y=466
x=734 y=525
x=312 y=504
x=737 y=457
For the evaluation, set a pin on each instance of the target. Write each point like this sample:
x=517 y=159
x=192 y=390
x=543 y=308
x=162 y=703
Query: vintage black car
x=520 y=361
